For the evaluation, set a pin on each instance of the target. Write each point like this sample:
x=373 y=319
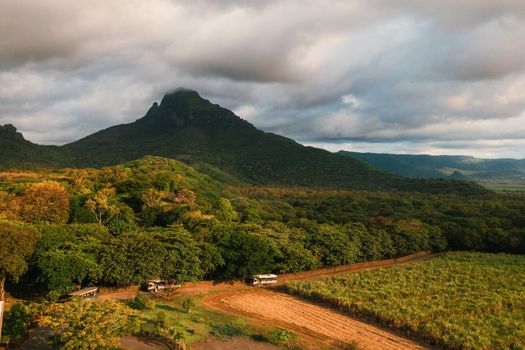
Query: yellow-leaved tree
x=84 y=324
x=46 y=201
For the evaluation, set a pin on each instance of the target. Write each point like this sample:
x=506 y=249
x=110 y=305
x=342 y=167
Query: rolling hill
x=458 y=167
x=186 y=127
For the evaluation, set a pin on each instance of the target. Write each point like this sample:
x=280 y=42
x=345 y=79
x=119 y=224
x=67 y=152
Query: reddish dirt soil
x=136 y=343
x=325 y=325
x=118 y=293
x=240 y=343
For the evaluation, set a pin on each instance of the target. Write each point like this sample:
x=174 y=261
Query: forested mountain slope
x=186 y=127
x=426 y=166
x=15 y=151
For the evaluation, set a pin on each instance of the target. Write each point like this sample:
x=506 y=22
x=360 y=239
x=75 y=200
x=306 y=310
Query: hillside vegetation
x=15 y=151
x=459 y=300
x=489 y=172
x=160 y=218
x=157 y=217
x=188 y=128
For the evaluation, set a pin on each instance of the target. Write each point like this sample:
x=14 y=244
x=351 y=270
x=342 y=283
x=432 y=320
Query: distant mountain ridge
x=15 y=150
x=186 y=127
x=458 y=167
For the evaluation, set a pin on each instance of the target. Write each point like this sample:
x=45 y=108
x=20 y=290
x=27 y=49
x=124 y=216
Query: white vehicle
x=155 y=286
x=261 y=280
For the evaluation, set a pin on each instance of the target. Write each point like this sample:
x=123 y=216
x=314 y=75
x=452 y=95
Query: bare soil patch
x=309 y=319
x=118 y=293
x=239 y=343
x=139 y=343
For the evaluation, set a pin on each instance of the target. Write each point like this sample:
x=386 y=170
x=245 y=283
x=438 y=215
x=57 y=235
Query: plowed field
x=308 y=319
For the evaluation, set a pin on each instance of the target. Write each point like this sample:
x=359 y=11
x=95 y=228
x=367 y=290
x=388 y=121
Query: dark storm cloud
x=404 y=75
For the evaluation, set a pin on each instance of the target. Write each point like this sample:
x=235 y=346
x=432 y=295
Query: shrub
x=282 y=336
x=140 y=302
x=20 y=316
x=187 y=305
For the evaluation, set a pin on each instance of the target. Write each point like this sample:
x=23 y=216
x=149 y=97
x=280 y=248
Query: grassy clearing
x=458 y=300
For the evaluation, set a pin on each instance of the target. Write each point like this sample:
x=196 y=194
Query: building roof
x=270 y=275
x=84 y=291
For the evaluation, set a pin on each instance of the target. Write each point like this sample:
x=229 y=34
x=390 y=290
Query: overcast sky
x=393 y=76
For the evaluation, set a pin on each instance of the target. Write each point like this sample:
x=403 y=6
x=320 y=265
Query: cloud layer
x=402 y=76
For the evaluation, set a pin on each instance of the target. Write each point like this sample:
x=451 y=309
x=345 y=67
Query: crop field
x=458 y=300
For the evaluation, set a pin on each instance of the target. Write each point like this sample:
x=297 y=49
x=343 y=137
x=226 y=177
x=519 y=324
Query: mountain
x=186 y=127
x=15 y=151
x=457 y=167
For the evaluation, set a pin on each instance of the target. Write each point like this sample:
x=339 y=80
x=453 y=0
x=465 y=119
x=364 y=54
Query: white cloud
x=407 y=73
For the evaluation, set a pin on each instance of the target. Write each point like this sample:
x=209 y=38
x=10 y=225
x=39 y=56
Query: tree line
x=68 y=256
x=158 y=218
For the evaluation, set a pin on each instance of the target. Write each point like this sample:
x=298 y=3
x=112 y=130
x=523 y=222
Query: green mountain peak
x=8 y=131
x=186 y=108
x=191 y=129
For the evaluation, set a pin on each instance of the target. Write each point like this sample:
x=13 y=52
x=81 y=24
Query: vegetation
x=81 y=324
x=493 y=223
x=489 y=172
x=18 y=320
x=15 y=151
x=17 y=245
x=459 y=300
x=158 y=218
x=189 y=128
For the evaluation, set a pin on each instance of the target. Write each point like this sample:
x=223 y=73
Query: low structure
x=261 y=280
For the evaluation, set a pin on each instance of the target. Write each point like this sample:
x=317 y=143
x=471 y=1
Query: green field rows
x=458 y=300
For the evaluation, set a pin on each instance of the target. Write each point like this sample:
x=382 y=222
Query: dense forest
x=159 y=218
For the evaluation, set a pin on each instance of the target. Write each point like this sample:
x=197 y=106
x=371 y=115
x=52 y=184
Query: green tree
x=123 y=221
x=180 y=261
x=20 y=317
x=188 y=304
x=332 y=244
x=245 y=250
x=131 y=259
x=226 y=211
x=62 y=268
x=17 y=245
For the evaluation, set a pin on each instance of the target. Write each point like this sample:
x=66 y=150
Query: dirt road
x=211 y=286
